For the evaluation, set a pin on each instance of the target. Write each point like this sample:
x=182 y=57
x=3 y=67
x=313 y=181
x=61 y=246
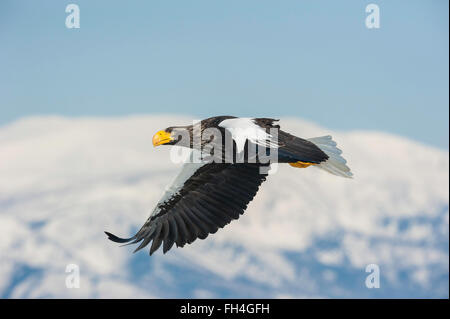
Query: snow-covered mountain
x=64 y=181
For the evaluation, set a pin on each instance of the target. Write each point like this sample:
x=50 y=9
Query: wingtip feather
x=116 y=239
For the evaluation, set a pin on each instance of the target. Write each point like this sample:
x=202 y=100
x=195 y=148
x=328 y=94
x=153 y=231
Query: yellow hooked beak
x=161 y=137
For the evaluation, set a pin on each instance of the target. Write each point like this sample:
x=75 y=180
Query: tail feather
x=335 y=164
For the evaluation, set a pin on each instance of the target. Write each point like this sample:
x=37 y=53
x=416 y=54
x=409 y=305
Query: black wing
x=213 y=196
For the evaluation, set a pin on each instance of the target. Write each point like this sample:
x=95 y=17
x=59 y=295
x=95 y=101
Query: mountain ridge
x=306 y=234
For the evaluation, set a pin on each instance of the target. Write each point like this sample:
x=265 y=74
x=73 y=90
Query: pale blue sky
x=311 y=59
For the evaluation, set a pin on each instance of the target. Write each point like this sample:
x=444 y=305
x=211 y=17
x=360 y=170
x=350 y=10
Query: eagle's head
x=183 y=135
x=171 y=135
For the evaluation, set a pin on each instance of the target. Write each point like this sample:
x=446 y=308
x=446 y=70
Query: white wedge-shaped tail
x=335 y=164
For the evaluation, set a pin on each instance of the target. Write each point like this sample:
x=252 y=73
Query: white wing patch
x=243 y=129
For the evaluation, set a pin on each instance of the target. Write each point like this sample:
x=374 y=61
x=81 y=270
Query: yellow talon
x=301 y=164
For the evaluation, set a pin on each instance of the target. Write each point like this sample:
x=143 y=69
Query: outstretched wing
x=203 y=198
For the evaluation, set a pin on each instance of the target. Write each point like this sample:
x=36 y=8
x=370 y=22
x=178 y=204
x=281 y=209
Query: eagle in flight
x=209 y=194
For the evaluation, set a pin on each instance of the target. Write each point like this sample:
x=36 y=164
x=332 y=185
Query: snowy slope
x=307 y=233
